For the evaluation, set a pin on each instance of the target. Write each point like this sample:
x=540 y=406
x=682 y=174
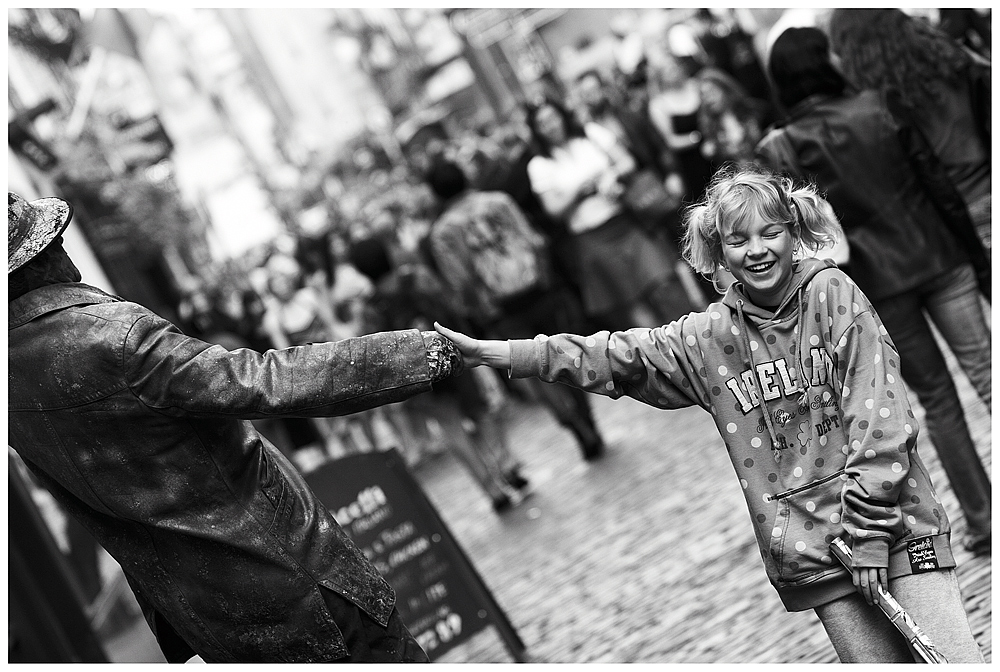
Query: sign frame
x=365 y=504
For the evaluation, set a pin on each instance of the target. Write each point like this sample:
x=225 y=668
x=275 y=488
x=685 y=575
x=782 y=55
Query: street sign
x=439 y=594
x=142 y=142
x=23 y=141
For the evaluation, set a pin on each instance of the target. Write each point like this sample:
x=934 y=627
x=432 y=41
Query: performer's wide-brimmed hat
x=32 y=226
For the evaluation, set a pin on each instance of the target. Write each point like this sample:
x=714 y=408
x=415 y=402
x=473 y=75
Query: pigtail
x=700 y=239
x=816 y=223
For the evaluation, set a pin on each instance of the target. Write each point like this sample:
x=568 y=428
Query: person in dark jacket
x=142 y=433
x=934 y=82
x=902 y=255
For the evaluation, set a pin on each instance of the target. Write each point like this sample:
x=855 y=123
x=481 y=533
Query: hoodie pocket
x=806 y=520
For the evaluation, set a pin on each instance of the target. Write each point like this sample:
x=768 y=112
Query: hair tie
x=796 y=215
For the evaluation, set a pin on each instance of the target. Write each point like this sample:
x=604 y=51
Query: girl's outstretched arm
x=475 y=352
x=651 y=365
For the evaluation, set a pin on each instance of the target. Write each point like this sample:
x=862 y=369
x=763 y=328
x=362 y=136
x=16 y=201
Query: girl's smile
x=760 y=268
x=759 y=254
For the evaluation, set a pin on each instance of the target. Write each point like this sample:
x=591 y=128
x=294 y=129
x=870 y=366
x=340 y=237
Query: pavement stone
x=647 y=555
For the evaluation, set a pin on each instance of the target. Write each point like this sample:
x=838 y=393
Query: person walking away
x=490 y=257
x=142 y=433
x=411 y=295
x=506 y=156
x=901 y=253
x=801 y=379
x=941 y=88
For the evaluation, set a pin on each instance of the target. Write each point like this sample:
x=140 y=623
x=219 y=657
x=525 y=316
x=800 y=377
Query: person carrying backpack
x=470 y=423
x=497 y=267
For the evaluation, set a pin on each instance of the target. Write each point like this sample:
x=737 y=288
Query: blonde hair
x=738 y=194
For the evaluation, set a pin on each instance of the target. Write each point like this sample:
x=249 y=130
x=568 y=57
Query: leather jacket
x=143 y=434
x=849 y=147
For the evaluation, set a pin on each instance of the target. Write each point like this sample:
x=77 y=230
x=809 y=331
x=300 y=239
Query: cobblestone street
x=647 y=555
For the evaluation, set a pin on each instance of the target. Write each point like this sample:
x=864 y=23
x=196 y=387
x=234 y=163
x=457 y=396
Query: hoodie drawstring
x=775 y=445
x=798 y=352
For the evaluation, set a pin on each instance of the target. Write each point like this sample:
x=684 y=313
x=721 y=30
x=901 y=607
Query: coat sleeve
x=651 y=365
x=936 y=182
x=179 y=375
x=881 y=428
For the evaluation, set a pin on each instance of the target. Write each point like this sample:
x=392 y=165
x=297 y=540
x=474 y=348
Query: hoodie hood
x=802 y=272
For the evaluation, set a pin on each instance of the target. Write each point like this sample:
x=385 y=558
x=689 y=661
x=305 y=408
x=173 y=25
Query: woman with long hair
x=578 y=174
x=941 y=87
x=674 y=102
x=730 y=121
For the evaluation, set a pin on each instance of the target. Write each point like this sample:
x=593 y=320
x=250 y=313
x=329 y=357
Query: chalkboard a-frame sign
x=439 y=594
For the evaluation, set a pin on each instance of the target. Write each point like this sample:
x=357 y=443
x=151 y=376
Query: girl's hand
x=495 y=354
x=868 y=579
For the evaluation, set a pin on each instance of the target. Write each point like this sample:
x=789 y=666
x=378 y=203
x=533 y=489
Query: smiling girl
x=803 y=383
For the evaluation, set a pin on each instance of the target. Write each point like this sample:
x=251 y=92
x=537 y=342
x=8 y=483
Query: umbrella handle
x=894 y=611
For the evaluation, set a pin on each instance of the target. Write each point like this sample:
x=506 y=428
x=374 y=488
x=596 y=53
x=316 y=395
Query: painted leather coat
x=142 y=433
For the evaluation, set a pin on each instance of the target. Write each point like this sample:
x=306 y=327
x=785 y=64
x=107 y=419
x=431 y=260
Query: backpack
x=505 y=254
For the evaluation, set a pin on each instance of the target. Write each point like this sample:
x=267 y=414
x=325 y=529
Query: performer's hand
x=868 y=579
x=475 y=352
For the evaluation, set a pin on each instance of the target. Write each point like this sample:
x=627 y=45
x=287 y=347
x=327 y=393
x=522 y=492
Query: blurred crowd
x=568 y=216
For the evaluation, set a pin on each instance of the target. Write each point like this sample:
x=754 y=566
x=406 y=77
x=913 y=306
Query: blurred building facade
x=252 y=103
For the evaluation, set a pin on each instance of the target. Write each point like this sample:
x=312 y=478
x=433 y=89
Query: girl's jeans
x=953 y=302
x=863 y=634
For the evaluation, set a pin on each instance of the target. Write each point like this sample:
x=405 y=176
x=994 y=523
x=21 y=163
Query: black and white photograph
x=499 y=335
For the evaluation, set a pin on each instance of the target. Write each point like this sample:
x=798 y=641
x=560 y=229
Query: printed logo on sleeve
x=923 y=557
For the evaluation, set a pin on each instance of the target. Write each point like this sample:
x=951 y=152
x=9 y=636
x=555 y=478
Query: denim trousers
x=953 y=303
x=861 y=633
x=475 y=431
x=981 y=212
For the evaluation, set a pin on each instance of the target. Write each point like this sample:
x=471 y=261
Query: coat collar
x=51 y=298
x=802 y=107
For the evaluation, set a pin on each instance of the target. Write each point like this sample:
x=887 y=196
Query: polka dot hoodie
x=813 y=412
